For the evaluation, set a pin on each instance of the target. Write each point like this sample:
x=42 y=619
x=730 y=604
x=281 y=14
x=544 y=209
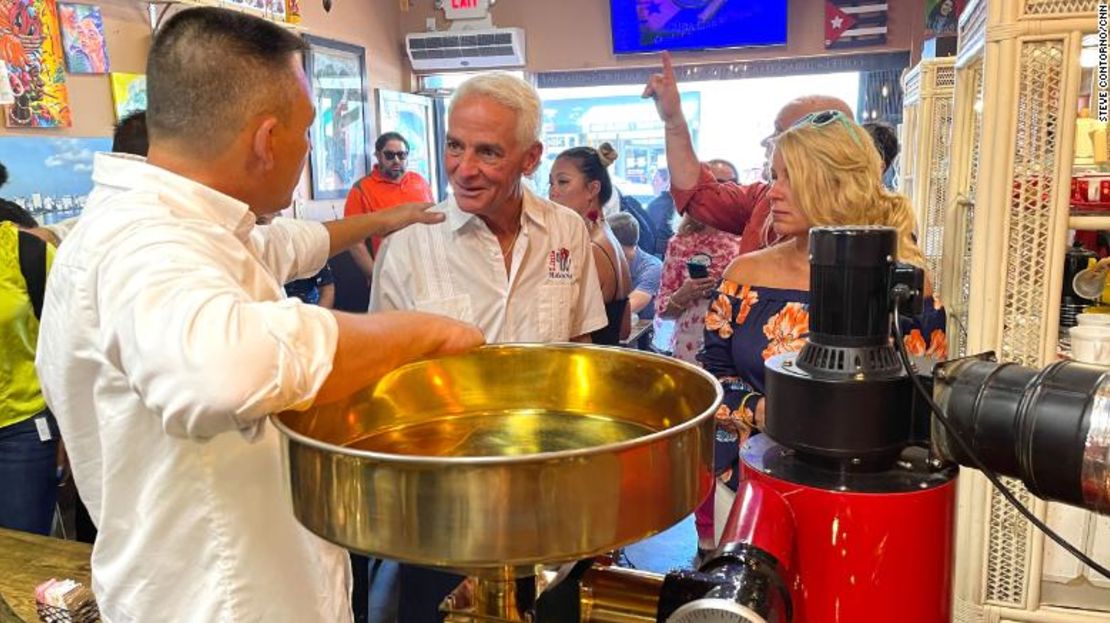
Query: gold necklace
x=507 y=251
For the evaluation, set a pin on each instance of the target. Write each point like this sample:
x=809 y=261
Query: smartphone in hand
x=697 y=270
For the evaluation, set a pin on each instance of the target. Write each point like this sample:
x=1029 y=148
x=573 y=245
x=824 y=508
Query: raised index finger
x=668 y=66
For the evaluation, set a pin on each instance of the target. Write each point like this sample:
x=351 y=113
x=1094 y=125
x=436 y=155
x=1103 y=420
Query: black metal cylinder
x=1035 y=426
x=849 y=284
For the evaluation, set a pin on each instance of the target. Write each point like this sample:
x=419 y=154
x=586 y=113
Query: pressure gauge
x=714 y=611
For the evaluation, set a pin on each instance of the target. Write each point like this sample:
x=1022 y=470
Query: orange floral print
x=915 y=343
x=747 y=297
x=719 y=316
x=786 y=330
x=724 y=419
x=938 y=345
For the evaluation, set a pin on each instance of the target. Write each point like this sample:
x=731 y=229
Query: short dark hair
x=589 y=164
x=130 y=135
x=389 y=136
x=886 y=141
x=210 y=70
x=3 y=175
x=625 y=228
x=12 y=212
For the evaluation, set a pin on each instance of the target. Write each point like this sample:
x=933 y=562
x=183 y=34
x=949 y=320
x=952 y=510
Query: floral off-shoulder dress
x=747 y=325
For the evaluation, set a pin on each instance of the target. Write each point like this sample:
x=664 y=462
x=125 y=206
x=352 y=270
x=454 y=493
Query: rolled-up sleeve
x=724 y=205
x=292 y=248
x=197 y=349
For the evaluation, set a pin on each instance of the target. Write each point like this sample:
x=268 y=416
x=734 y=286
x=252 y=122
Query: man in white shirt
x=166 y=338
x=516 y=265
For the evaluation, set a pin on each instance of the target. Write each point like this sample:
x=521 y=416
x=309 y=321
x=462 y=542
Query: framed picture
x=31 y=45
x=128 y=93
x=268 y=9
x=83 y=39
x=410 y=116
x=340 y=134
x=50 y=177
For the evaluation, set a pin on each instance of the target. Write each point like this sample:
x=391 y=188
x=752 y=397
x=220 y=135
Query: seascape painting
x=50 y=177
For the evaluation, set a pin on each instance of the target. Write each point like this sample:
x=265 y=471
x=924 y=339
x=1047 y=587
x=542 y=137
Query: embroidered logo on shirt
x=558 y=264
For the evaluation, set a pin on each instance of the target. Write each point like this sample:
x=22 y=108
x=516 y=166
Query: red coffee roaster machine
x=846 y=510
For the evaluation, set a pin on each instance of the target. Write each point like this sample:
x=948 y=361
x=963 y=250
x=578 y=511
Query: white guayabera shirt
x=165 y=340
x=455 y=268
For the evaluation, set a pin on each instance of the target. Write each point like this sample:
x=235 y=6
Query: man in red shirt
x=741 y=209
x=388 y=185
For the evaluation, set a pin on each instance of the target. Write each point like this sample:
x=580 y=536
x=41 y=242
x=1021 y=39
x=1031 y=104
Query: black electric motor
x=845 y=397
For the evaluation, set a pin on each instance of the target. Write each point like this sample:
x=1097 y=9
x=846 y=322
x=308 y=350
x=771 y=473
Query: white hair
x=511 y=92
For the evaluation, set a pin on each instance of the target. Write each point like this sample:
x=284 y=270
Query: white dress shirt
x=166 y=339
x=455 y=268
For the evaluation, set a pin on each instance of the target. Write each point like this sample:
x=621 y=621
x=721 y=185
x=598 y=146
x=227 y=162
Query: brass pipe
x=496 y=598
x=616 y=595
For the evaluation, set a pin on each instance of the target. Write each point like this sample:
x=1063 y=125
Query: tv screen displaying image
x=655 y=25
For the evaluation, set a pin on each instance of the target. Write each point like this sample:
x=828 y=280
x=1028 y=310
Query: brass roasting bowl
x=505 y=458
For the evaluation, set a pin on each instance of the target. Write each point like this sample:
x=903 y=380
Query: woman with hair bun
x=580 y=181
x=825 y=172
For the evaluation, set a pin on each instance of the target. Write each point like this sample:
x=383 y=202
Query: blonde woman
x=825 y=171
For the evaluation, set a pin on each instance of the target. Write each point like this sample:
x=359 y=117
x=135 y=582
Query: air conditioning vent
x=474 y=49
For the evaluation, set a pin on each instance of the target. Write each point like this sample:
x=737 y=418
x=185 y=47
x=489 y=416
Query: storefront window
x=727 y=118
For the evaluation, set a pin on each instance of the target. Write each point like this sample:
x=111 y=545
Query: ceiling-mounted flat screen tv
x=654 y=25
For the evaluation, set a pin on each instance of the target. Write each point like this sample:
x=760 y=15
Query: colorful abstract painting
x=128 y=93
x=31 y=44
x=83 y=38
x=50 y=177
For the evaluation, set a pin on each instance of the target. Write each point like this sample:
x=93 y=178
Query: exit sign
x=465 y=9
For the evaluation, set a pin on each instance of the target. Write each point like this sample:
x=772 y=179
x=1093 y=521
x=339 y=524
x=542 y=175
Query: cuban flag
x=854 y=23
x=655 y=14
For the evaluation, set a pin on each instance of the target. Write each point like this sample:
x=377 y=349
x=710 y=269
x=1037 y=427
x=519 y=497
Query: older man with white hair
x=513 y=263
x=517 y=265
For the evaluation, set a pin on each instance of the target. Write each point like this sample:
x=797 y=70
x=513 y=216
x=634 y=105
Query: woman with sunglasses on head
x=580 y=181
x=825 y=172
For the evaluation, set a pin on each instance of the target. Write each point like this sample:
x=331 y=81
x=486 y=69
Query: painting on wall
x=31 y=45
x=410 y=116
x=270 y=9
x=50 y=177
x=942 y=16
x=83 y=38
x=340 y=133
x=128 y=93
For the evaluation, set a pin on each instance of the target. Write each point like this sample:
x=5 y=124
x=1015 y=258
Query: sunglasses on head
x=824 y=118
x=395 y=155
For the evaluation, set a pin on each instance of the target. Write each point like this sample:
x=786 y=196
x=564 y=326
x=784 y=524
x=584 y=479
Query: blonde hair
x=836 y=179
x=511 y=92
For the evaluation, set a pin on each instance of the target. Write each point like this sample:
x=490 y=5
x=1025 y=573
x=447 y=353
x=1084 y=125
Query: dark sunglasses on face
x=395 y=155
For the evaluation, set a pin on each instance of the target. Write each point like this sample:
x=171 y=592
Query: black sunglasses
x=395 y=155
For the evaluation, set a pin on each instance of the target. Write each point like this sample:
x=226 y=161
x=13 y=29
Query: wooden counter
x=27 y=560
